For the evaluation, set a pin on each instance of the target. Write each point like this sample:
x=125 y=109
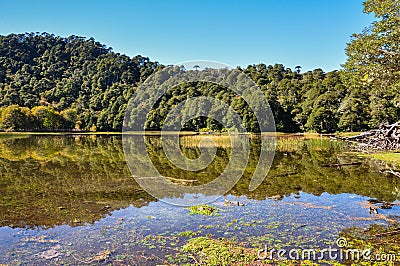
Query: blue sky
x=310 y=33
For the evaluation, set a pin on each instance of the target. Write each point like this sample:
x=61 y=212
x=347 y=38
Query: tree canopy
x=372 y=70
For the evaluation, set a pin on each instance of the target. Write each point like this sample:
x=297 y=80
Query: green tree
x=46 y=118
x=354 y=111
x=69 y=117
x=374 y=54
x=324 y=118
x=15 y=118
x=374 y=62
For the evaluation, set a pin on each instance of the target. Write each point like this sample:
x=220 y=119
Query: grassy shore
x=388 y=157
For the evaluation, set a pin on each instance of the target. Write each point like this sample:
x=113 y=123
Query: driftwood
x=390 y=171
x=387 y=137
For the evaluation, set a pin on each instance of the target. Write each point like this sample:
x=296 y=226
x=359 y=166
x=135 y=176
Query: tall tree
x=15 y=118
x=374 y=54
x=374 y=62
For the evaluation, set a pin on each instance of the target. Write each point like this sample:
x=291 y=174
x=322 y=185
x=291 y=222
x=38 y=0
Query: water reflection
x=54 y=180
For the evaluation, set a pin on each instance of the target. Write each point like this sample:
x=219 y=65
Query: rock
x=373 y=201
x=236 y=203
x=49 y=254
x=386 y=205
x=276 y=197
x=373 y=210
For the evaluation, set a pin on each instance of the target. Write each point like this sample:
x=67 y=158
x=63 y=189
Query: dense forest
x=49 y=82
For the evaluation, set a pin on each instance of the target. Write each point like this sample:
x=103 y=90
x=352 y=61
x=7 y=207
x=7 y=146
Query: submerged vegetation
x=208 y=251
x=382 y=240
x=203 y=209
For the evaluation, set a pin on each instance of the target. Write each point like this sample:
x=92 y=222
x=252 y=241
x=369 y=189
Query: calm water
x=72 y=200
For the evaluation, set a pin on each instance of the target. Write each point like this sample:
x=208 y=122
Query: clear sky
x=310 y=33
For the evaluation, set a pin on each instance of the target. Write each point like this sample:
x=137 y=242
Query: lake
x=71 y=199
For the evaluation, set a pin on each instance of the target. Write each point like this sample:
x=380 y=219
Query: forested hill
x=53 y=83
x=77 y=82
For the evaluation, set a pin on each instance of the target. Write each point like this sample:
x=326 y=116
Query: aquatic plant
x=203 y=209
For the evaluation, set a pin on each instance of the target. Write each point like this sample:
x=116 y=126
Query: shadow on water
x=55 y=180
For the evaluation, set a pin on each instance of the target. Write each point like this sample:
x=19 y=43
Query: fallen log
x=341 y=164
x=362 y=135
x=392 y=172
x=386 y=137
